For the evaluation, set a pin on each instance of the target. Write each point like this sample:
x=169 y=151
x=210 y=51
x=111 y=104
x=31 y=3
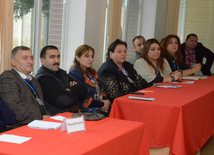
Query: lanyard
x=90 y=76
x=175 y=64
x=193 y=60
x=124 y=70
x=126 y=74
x=156 y=68
x=32 y=88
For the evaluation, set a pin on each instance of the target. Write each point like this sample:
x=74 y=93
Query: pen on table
x=141 y=98
x=146 y=91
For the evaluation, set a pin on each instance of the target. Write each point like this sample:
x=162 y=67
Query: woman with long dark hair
x=171 y=51
x=152 y=67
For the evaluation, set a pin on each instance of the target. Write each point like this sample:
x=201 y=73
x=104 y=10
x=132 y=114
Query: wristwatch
x=172 y=78
x=181 y=72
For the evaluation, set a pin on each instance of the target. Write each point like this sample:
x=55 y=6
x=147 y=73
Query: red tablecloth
x=105 y=137
x=181 y=118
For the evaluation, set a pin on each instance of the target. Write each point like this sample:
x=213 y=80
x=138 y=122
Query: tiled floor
x=208 y=148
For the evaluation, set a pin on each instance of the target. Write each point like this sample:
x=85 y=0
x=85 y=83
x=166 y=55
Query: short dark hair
x=17 y=48
x=191 y=34
x=113 y=45
x=137 y=37
x=48 y=47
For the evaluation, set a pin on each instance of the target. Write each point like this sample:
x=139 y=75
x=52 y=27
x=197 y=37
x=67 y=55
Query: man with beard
x=138 y=43
x=61 y=92
x=21 y=92
x=194 y=52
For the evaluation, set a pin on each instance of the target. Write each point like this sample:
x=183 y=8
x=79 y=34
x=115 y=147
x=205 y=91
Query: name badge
x=39 y=101
x=73 y=124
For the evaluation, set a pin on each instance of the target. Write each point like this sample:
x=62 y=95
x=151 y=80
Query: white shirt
x=23 y=76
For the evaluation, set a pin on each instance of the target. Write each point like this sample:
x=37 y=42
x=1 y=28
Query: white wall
x=153 y=18
x=95 y=28
x=148 y=18
x=160 y=21
x=74 y=30
x=85 y=24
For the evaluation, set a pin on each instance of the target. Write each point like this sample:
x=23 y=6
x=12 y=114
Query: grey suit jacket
x=19 y=98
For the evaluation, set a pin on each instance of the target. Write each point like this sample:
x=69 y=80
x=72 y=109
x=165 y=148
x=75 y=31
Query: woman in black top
x=117 y=77
x=171 y=51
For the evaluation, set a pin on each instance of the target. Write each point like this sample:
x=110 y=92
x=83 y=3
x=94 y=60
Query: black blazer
x=114 y=83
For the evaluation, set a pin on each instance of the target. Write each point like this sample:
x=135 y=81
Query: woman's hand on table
x=106 y=105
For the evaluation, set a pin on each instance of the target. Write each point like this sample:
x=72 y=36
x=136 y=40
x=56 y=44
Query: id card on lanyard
x=33 y=89
x=90 y=77
x=125 y=73
x=156 y=72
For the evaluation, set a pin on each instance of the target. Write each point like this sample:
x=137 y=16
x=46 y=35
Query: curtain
x=6 y=33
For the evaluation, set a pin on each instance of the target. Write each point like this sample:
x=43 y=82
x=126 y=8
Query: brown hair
x=81 y=50
x=145 y=51
x=165 y=44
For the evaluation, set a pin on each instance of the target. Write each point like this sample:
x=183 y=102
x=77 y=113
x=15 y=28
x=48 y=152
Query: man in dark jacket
x=194 y=52
x=61 y=92
x=138 y=43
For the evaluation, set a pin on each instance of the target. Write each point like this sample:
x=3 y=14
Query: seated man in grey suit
x=21 y=91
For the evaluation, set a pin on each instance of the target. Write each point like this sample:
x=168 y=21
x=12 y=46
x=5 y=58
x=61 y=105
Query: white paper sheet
x=59 y=118
x=14 y=138
x=203 y=77
x=37 y=124
x=191 y=77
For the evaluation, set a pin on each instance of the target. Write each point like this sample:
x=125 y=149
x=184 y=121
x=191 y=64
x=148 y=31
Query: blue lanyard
x=124 y=70
x=190 y=56
x=126 y=74
x=156 y=68
x=90 y=76
x=32 y=88
x=175 y=64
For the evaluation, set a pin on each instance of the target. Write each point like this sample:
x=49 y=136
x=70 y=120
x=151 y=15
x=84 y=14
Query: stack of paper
x=37 y=124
